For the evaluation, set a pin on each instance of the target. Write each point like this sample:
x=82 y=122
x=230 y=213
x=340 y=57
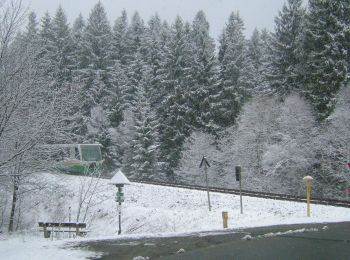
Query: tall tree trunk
x=14 y=202
x=2 y=213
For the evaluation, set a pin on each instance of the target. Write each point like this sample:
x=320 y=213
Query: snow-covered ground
x=35 y=248
x=150 y=210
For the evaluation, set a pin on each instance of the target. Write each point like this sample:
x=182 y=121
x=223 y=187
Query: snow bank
x=148 y=210
x=151 y=209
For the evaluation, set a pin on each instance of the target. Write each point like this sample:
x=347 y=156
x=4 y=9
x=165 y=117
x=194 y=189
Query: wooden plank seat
x=50 y=228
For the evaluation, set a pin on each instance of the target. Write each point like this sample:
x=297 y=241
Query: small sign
x=238 y=176
x=119 y=197
x=204 y=161
x=238 y=171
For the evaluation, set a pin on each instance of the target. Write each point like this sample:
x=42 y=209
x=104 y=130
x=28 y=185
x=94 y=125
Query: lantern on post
x=119 y=180
x=308 y=180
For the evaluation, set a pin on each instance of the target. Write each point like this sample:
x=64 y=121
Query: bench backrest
x=64 y=225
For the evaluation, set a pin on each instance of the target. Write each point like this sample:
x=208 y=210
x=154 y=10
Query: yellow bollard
x=224 y=218
x=308 y=193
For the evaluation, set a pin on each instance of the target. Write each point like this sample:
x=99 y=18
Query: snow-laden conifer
x=62 y=57
x=235 y=67
x=119 y=44
x=204 y=84
x=174 y=112
x=155 y=59
x=286 y=48
x=79 y=55
x=135 y=37
x=31 y=31
x=144 y=155
x=324 y=65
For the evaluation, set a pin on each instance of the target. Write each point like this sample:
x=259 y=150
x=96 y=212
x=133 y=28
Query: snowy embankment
x=150 y=210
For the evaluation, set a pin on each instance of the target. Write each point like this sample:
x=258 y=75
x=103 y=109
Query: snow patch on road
x=24 y=247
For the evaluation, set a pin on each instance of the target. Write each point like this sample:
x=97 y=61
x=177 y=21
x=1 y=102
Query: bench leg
x=45 y=232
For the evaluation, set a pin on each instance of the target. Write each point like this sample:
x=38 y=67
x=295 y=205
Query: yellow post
x=308 y=192
x=224 y=218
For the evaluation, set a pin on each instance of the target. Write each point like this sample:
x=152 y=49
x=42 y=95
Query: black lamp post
x=119 y=180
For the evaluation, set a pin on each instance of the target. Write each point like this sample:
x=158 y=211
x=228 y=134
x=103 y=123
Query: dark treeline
x=141 y=88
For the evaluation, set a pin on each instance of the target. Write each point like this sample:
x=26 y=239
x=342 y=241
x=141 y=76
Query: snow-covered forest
x=158 y=96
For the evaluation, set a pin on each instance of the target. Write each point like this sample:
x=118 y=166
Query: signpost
x=119 y=180
x=206 y=165
x=239 y=178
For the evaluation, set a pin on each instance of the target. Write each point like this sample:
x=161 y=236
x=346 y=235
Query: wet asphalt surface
x=317 y=242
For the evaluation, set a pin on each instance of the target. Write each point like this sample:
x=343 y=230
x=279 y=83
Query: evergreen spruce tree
x=119 y=44
x=97 y=78
x=79 y=55
x=96 y=44
x=135 y=38
x=345 y=19
x=174 y=111
x=255 y=49
x=265 y=70
x=325 y=55
x=155 y=59
x=79 y=65
x=286 y=48
x=113 y=110
x=29 y=39
x=62 y=46
x=204 y=74
x=144 y=156
x=165 y=33
x=235 y=71
x=56 y=51
x=53 y=63
x=255 y=54
x=98 y=39
x=31 y=32
x=46 y=39
x=118 y=85
x=135 y=71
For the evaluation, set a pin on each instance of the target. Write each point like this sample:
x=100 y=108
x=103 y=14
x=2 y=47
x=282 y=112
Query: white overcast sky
x=255 y=13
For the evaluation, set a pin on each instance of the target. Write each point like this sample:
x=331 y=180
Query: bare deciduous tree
x=30 y=113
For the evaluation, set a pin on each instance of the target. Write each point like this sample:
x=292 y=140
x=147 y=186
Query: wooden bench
x=51 y=228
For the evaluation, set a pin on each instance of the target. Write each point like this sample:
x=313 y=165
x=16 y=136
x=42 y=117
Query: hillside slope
x=150 y=209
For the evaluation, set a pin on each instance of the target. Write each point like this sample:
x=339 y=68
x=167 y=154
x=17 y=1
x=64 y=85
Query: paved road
x=331 y=243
